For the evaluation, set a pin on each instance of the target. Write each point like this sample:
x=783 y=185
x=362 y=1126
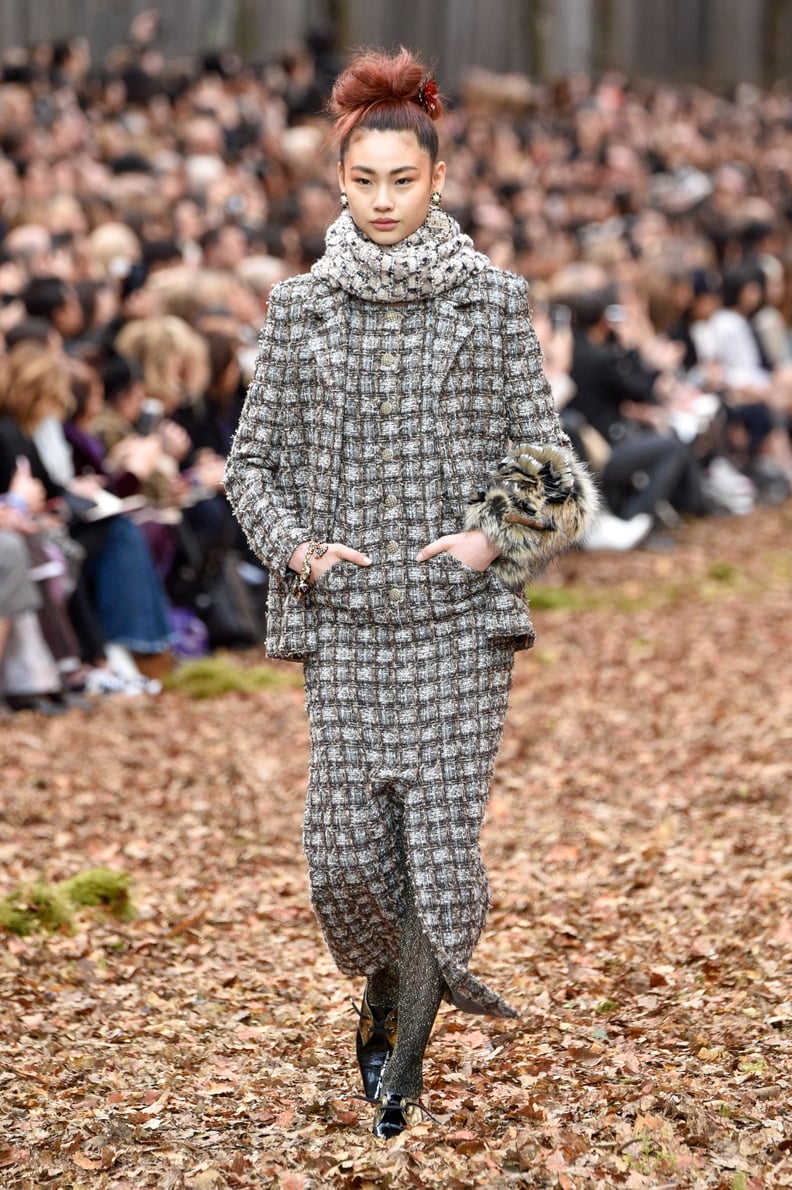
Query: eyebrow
x=400 y=169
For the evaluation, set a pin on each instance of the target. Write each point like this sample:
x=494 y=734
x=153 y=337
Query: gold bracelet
x=302 y=587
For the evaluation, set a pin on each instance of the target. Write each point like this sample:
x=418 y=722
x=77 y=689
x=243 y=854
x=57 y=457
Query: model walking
x=390 y=381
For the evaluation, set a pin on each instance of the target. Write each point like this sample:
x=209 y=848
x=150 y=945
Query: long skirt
x=405 y=725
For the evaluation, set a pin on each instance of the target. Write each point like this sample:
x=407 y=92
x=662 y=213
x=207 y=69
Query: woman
x=125 y=605
x=390 y=380
x=759 y=395
x=29 y=676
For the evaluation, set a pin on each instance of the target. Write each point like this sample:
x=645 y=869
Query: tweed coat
x=379 y=421
x=282 y=476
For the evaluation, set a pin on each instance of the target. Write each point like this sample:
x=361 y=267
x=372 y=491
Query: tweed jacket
x=282 y=475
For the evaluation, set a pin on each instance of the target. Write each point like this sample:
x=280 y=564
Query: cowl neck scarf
x=434 y=259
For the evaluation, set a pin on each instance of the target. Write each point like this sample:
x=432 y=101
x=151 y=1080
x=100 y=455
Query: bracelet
x=302 y=588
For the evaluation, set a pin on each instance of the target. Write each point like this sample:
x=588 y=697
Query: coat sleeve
x=540 y=499
x=256 y=483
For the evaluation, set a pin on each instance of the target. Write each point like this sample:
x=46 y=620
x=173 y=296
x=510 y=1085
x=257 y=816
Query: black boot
x=395 y=1113
x=374 y=1042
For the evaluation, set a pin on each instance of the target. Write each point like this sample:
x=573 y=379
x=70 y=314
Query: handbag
x=227 y=608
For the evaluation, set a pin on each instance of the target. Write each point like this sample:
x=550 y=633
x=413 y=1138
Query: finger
x=23 y=464
x=349 y=555
x=440 y=546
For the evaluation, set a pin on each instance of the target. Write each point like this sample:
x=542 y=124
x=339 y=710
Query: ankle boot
x=395 y=1113
x=374 y=1042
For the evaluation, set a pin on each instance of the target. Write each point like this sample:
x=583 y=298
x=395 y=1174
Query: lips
x=384 y=224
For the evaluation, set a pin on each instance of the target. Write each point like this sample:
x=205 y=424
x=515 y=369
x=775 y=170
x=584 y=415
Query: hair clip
x=427 y=95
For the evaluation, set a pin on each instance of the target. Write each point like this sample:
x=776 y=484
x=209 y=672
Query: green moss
x=556 y=598
x=34 y=907
x=40 y=906
x=723 y=572
x=605 y=1007
x=211 y=676
x=100 y=886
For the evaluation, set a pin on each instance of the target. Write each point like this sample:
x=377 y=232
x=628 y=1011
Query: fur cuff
x=540 y=502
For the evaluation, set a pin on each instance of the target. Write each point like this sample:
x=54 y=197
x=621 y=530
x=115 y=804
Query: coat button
x=390 y=500
x=387 y=360
x=386 y=407
x=392 y=546
x=392 y=317
x=387 y=455
x=395 y=594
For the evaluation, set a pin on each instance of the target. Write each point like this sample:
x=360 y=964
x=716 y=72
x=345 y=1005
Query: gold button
x=386 y=407
x=390 y=500
x=395 y=595
x=387 y=360
x=392 y=317
x=387 y=455
x=392 y=546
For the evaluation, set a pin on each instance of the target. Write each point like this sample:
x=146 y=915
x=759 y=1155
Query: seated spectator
x=758 y=395
x=119 y=600
x=553 y=329
x=129 y=426
x=769 y=321
x=29 y=677
x=645 y=467
x=127 y=469
x=212 y=419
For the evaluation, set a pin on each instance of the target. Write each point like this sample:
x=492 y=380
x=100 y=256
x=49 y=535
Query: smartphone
x=560 y=317
x=614 y=313
x=150 y=416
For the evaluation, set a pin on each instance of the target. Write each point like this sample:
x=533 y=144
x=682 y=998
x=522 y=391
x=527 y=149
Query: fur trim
x=540 y=502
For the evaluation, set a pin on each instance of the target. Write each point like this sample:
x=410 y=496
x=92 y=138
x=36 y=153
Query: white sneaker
x=728 y=487
x=105 y=681
x=611 y=533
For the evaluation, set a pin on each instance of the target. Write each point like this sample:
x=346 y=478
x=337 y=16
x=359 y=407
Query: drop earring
x=344 y=200
x=436 y=198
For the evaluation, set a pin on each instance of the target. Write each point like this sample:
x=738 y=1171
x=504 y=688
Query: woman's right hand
x=336 y=552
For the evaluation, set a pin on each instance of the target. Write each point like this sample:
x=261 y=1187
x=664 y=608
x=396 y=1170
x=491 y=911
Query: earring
x=436 y=198
x=344 y=200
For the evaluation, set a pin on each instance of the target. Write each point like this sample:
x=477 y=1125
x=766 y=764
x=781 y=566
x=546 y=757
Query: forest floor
x=639 y=844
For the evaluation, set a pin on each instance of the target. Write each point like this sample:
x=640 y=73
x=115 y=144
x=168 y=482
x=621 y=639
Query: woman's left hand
x=472 y=548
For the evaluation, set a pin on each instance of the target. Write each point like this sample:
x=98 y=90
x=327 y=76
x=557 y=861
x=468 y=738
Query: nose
x=383 y=200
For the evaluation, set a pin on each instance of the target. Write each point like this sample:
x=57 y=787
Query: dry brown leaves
x=639 y=848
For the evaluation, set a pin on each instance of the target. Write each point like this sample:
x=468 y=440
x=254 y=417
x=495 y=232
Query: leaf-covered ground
x=639 y=848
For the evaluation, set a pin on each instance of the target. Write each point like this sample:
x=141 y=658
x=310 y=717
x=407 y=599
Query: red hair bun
x=379 y=91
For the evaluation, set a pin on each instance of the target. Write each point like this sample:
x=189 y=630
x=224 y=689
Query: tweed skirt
x=405 y=724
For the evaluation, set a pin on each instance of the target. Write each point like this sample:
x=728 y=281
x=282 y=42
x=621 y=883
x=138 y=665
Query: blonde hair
x=174 y=358
x=115 y=248
x=33 y=385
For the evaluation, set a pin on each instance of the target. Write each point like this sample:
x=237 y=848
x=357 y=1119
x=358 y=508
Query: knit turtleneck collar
x=433 y=260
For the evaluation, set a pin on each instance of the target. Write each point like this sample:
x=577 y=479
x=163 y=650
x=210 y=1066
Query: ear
x=340 y=172
x=438 y=176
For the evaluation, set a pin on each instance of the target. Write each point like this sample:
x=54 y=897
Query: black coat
x=14 y=443
x=605 y=377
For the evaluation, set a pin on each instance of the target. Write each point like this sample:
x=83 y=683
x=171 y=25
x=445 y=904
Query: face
x=388 y=179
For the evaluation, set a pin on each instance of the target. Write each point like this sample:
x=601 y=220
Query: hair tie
x=427 y=95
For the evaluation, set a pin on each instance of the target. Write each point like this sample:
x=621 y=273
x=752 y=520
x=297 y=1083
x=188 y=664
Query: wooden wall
x=706 y=40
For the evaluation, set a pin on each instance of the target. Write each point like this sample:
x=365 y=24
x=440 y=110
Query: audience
x=146 y=210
